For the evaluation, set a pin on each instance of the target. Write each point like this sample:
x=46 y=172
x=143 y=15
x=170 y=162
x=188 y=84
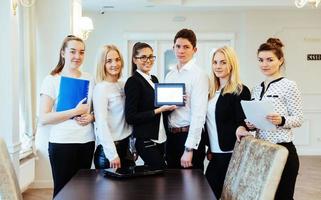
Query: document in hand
x=256 y=112
x=71 y=92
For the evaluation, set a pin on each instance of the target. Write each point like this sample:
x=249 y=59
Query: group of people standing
x=168 y=136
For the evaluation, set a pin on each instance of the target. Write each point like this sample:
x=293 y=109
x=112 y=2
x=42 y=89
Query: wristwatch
x=188 y=149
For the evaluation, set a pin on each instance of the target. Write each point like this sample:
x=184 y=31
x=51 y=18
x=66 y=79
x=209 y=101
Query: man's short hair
x=186 y=34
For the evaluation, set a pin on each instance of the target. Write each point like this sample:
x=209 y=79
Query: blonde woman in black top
x=224 y=114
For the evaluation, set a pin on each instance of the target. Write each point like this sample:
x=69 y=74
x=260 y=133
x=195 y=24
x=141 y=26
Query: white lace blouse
x=287 y=102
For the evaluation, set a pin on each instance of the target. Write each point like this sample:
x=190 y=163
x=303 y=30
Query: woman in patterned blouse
x=288 y=114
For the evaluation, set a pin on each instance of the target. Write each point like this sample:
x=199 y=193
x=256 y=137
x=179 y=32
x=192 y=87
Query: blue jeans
x=126 y=158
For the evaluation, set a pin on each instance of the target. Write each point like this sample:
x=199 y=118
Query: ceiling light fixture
x=103 y=9
x=302 y=3
x=24 y=3
x=86 y=26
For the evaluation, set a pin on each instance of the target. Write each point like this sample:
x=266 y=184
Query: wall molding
x=308 y=151
x=27 y=173
x=284 y=28
x=302 y=134
x=311 y=93
x=170 y=36
x=14 y=147
x=317 y=111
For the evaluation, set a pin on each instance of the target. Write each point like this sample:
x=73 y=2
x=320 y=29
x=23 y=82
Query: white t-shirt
x=68 y=131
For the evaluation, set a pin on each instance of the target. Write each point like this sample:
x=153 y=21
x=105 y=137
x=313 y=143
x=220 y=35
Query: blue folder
x=71 y=92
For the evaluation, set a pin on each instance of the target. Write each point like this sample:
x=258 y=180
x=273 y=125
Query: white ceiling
x=183 y=5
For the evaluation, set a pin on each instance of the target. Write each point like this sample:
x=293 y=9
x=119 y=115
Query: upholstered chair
x=254 y=171
x=9 y=186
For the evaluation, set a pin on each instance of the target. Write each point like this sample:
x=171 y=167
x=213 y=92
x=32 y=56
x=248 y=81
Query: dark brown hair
x=138 y=46
x=186 y=34
x=273 y=44
x=61 y=61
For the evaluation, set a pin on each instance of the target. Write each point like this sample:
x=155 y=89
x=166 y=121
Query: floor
x=308 y=183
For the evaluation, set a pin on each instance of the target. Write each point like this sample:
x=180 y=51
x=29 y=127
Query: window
x=170 y=60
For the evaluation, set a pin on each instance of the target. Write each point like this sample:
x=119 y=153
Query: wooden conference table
x=172 y=185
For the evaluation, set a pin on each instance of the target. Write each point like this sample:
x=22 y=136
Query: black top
x=229 y=116
x=139 y=107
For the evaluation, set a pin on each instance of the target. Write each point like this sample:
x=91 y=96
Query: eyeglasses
x=145 y=58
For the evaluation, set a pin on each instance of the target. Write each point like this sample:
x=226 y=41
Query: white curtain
x=27 y=80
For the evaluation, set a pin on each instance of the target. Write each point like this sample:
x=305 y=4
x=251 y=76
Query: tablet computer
x=134 y=171
x=169 y=94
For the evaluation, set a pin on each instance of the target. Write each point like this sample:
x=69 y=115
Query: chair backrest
x=254 y=171
x=9 y=186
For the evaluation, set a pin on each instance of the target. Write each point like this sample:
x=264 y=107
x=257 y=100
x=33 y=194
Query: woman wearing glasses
x=109 y=102
x=147 y=120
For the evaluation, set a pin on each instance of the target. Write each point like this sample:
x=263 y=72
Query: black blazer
x=139 y=107
x=229 y=116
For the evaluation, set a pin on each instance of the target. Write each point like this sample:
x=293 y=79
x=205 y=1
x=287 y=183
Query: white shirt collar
x=146 y=76
x=186 y=67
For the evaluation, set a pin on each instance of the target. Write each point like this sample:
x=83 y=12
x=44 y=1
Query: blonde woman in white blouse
x=112 y=131
x=287 y=107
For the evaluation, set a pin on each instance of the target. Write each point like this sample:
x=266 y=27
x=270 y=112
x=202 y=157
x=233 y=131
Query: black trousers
x=286 y=186
x=153 y=154
x=175 y=147
x=126 y=158
x=216 y=171
x=67 y=159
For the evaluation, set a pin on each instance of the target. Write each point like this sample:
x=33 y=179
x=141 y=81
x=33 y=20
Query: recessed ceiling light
x=179 y=19
x=108 y=7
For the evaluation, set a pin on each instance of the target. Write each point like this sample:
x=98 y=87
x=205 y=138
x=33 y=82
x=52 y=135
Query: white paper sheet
x=256 y=112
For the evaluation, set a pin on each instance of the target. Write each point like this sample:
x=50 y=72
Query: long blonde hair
x=234 y=84
x=100 y=71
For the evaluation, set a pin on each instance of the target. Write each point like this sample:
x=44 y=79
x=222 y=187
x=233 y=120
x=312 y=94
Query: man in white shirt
x=185 y=146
